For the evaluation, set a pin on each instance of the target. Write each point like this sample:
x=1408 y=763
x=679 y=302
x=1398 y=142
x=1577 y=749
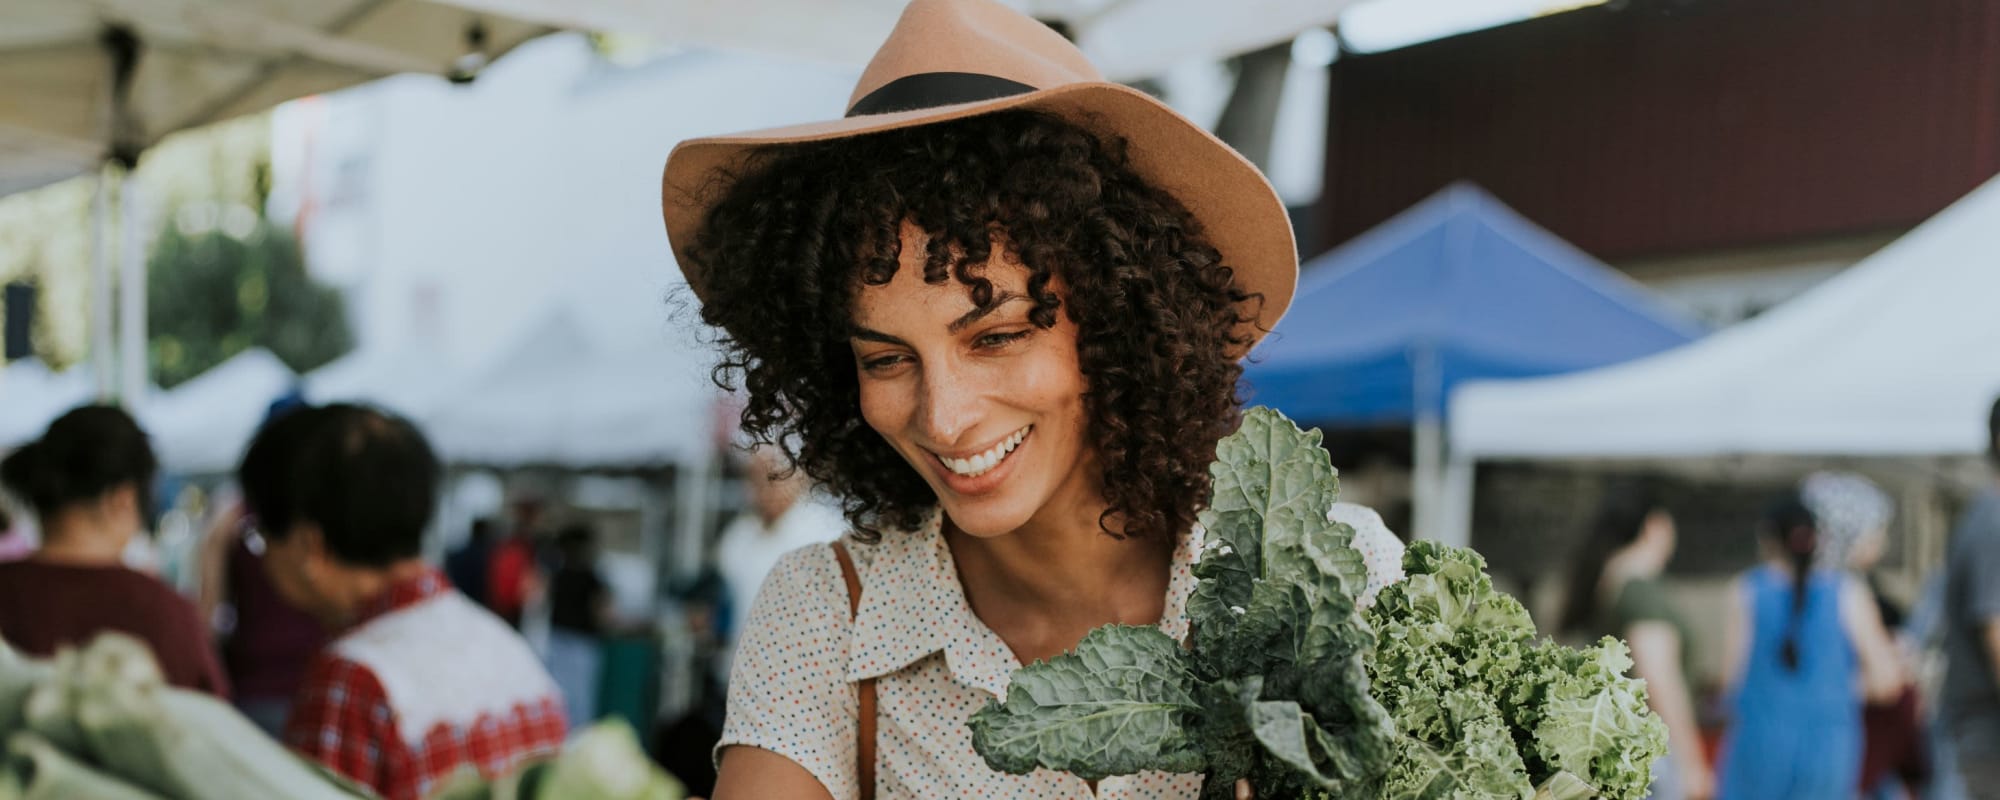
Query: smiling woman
x=997 y=311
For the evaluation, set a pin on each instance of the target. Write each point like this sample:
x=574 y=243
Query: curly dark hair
x=1160 y=319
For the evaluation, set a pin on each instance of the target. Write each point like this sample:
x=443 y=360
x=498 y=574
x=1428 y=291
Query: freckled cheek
x=1052 y=384
x=887 y=408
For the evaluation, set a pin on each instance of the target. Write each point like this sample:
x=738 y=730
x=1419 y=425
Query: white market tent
x=202 y=426
x=85 y=79
x=89 y=83
x=558 y=398
x=397 y=379
x=1126 y=39
x=1899 y=357
x=32 y=396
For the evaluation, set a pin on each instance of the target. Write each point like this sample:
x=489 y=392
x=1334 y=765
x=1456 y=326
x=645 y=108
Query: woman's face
x=986 y=405
x=1867 y=550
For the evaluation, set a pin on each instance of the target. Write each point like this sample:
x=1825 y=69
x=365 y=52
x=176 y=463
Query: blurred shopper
x=781 y=517
x=267 y=642
x=89 y=480
x=513 y=577
x=1853 y=516
x=419 y=682
x=1799 y=641
x=1615 y=590
x=1970 y=701
x=579 y=612
x=468 y=565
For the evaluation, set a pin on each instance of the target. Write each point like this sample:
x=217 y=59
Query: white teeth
x=979 y=464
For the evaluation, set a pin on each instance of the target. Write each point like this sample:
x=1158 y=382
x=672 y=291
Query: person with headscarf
x=1854 y=515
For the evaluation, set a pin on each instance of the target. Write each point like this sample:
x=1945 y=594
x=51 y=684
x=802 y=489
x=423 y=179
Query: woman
x=1804 y=647
x=1853 y=515
x=88 y=481
x=997 y=310
x=1615 y=590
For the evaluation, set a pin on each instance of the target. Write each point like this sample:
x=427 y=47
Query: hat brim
x=1238 y=211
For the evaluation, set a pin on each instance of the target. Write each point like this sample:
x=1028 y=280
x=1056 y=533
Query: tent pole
x=1455 y=502
x=694 y=483
x=101 y=345
x=1425 y=521
x=1428 y=445
x=132 y=357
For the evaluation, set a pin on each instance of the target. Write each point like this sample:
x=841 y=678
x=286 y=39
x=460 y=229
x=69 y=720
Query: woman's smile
x=983 y=471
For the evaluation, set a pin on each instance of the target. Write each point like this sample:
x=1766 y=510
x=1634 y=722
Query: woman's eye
x=882 y=363
x=993 y=340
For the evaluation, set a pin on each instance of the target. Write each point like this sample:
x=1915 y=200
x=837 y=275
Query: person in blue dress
x=1803 y=648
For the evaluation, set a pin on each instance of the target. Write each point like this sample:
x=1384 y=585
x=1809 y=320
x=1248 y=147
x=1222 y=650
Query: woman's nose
x=948 y=407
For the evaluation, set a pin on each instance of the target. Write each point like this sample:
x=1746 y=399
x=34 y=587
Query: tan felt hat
x=952 y=59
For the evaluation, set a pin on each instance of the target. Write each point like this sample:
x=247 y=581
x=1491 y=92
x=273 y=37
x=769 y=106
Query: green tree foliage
x=212 y=295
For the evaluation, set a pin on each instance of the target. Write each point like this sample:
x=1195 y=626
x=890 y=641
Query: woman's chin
x=984 y=519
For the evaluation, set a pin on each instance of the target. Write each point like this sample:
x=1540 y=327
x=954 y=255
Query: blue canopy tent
x=1458 y=287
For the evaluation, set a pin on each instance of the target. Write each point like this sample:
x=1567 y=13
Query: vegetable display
x=1485 y=709
x=101 y=724
x=1440 y=690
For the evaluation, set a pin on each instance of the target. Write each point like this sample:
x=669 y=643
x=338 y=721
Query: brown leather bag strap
x=865 y=741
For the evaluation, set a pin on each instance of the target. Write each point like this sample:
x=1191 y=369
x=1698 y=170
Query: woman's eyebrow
x=977 y=314
x=868 y=335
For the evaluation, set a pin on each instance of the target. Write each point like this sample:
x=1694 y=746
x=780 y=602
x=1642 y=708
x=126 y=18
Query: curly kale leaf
x=1564 y=786
x=1560 y=717
x=1594 y=721
x=1121 y=703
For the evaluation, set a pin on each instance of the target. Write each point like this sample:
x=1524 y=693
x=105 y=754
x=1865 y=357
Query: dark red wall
x=1666 y=126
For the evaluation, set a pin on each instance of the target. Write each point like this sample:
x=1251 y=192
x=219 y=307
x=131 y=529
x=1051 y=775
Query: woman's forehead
x=907 y=290
x=907 y=296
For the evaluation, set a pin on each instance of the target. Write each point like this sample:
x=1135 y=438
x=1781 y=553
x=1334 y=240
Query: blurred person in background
x=419 y=682
x=14 y=543
x=514 y=578
x=1799 y=641
x=468 y=565
x=1615 y=590
x=1970 y=700
x=89 y=480
x=782 y=516
x=579 y=613
x=1853 y=516
x=266 y=642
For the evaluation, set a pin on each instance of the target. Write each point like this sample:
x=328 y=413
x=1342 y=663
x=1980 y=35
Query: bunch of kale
x=1440 y=691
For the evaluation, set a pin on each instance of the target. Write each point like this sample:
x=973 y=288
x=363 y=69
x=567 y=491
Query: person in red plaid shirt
x=419 y=681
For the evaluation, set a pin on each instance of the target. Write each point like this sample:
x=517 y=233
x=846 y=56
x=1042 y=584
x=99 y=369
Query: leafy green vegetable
x=1487 y=710
x=33 y=769
x=1439 y=691
x=604 y=762
x=1121 y=704
x=1272 y=686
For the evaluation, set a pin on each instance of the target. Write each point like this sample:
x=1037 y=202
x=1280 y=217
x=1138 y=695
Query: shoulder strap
x=865 y=741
